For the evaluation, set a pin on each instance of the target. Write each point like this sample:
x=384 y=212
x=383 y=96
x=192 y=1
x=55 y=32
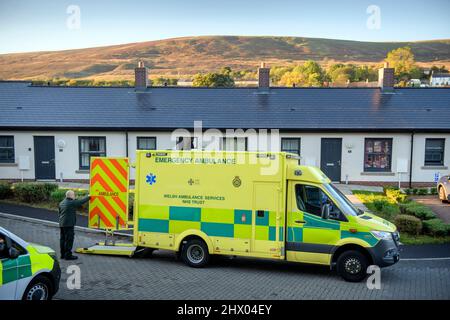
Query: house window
x=146 y=143
x=234 y=144
x=378 y=155
x=6 y=149
x=91 y=147
x=186 y=143
x=291 y=145
x=434 y=152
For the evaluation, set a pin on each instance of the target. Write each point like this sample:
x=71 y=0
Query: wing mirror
x=13 y=253
x=326 y=209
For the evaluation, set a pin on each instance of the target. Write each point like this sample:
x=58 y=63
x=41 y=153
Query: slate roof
x=164 y=108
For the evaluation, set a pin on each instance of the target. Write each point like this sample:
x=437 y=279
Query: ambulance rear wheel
x=195 y=253
x=352 y=266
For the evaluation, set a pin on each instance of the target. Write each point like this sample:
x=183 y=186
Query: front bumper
x=385 y=253
x=56 y=275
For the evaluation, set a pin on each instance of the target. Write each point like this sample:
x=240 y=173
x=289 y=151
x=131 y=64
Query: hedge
x=5 y=190
x=418 y=210
x=34 y=192
x=408 y=224
x=436 y=227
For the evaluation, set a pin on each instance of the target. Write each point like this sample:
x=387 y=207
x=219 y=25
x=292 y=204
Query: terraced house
x=358 y=135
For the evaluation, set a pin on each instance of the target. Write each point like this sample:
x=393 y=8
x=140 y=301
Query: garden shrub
x=395 y=195
x=408 y=224
x=34 y=192
x=5 y=190
x=58 y=195
x=436 y=227
x=379 y=204
x=416 y=209
x=433 y=191
x=408 y=191
x=414 y=190
x=422 y=191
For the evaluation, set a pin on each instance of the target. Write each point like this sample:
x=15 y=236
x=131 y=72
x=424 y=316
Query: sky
x=40 y=25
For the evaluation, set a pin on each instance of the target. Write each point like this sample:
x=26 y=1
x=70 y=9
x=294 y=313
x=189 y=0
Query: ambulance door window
x=311 y=199
x=3 y=247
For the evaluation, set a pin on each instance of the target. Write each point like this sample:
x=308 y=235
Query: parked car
x=27 y=271
x=443 y=188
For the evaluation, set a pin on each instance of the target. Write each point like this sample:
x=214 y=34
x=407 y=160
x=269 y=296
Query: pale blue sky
x=35 y=25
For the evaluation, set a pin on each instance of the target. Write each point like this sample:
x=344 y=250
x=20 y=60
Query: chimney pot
x=263 y=76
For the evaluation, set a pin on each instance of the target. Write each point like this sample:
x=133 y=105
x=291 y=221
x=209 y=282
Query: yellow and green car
x=27 y=271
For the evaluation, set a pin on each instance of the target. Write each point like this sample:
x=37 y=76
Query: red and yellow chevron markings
x=108 y=207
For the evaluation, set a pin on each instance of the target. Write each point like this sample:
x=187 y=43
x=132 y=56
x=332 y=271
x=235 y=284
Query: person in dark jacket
x=67 y=220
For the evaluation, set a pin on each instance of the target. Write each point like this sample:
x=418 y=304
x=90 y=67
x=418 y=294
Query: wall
x=67 y=160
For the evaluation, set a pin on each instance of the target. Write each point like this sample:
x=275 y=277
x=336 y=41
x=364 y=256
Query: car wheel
x=442 y=194
x=352 y=266
x=39 y=288
x=195 y=253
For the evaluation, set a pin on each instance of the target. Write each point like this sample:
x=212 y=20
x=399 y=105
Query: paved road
x=162 y=277
x=442 y=210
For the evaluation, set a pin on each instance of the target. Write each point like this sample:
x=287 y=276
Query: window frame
x=235 y=139
x=13 y=159
x=194 y=141
x=442 y=152
x=146 y=137
x=388 y=168
x=80 y=153
x=292 y=139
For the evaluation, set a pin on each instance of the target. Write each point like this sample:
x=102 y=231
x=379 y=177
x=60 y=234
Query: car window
x=311 y=199
x=3 y=247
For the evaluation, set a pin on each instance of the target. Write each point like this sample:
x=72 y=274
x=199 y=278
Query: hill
x=181 y=57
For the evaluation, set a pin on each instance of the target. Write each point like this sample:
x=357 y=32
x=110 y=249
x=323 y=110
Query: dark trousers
x=66 y=240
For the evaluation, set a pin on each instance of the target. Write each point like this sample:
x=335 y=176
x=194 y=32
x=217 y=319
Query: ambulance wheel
x=195 y=253
x=39 y=288
x=352 y=266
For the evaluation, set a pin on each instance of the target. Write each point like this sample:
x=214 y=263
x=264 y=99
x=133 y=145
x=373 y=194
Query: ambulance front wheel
x=195 y=253
x=352 y=266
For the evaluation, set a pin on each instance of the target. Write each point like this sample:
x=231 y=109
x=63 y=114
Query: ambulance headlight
x=382 y=235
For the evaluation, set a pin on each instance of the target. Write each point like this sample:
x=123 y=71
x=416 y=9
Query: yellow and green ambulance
x=27 y=271
x=252 y=204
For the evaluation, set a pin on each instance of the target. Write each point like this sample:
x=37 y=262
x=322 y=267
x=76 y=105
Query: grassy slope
x=187 y=56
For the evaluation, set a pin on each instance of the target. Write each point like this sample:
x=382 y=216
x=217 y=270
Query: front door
x=330 y=159
x=44 y=157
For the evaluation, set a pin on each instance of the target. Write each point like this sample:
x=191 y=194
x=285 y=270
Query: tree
x=402 y=59
x=310 y=74
x=211 y=79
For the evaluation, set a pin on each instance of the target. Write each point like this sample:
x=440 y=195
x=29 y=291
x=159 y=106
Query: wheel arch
x=348 y=247
x=194 y=234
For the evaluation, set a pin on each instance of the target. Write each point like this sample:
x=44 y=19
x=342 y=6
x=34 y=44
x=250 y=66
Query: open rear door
x=108 y=207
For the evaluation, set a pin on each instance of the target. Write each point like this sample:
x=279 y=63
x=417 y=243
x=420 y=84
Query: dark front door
x=44 y=157
x=330 y=159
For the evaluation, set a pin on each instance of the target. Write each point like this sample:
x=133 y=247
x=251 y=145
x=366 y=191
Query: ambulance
x=250 y=204
x=27 y=271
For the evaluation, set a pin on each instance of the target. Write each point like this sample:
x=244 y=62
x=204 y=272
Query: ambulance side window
x=3 y=249
x=310 y=199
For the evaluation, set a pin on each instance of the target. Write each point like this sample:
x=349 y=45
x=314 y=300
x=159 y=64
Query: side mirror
x=13 y=253
x=326 y=209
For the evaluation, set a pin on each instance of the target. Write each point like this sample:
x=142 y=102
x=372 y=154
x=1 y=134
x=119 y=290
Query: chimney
x=141 y=76
x=386 y=78
x=263 y=76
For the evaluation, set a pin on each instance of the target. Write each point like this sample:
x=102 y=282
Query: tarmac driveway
x=442 y=210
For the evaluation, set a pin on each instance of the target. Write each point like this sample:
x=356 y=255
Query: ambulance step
x=114 y=250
